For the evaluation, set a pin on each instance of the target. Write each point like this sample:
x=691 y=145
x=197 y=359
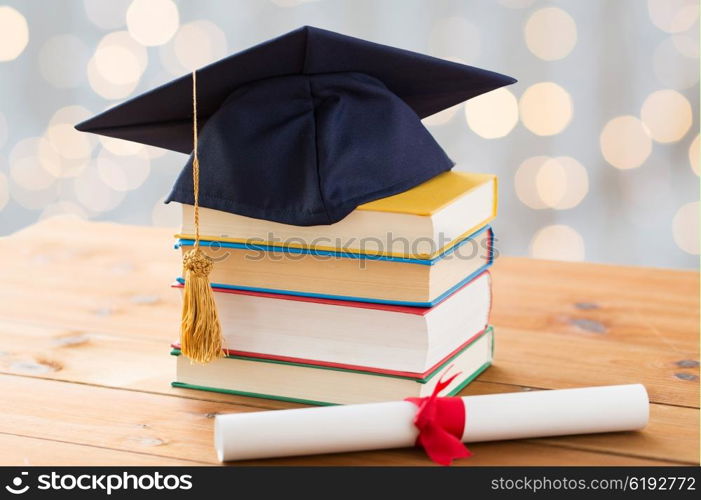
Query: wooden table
x=86 y=317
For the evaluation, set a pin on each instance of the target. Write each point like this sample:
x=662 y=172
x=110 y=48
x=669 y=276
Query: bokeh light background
x=596 y=147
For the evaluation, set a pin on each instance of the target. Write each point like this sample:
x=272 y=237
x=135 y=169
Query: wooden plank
x=143 y=363
x=92 y=276
x=22 y=450
x=516 y=453
x=181 y=428
x=640 y=306
x=596 y=323
x=135 y=363
x=556 y=361
x=672 y=434
x=108 y=418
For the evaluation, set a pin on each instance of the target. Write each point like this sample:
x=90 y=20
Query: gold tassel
x=200 y=331
x=200 y=335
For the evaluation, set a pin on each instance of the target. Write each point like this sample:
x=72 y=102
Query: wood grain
x=639 y=306
x=86 y=316
x=22 y=450
x=181 y=428
x=78 y=356
x=484 y=454
x=92 y=276
x=136 y=363
x=557 y=361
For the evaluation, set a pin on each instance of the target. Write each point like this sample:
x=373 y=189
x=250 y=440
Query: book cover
x=432 y=217
x=308 y=284
x=291 y=381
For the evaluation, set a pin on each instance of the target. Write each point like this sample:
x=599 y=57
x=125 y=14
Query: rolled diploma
x=493 y=417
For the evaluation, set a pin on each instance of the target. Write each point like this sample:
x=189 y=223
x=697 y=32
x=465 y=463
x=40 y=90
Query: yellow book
x=420 y=223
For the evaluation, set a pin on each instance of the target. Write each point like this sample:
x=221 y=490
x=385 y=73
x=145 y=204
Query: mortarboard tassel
x=200 y=331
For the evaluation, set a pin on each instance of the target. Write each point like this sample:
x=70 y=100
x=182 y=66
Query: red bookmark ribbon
x=441 y=423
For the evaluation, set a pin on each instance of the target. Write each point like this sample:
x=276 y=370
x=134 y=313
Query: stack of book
x=372 y=308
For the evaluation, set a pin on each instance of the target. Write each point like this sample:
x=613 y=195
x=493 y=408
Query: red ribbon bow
x=441 y=422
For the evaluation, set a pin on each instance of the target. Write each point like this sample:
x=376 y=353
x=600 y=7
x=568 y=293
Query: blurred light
x=196 y=44
x=625 y=142
x=551 y=183
x=543 y=182
x=152 y=22
x=57 y=166
x=62 y=152
x=667 y=114
x=70 y=114
x=685 y=228
x=169 y=215
x=442 y=117
x=687 y=46
x=557 y=242
x=694 y=155
x=107 y=15
x=4 y=191
x=545 y=108
x=65 y=139
x=122 y=173
x=105 y=89
x=674 y=69
x=455 y=37
x=153 y=152
x=27 y=160
x=52 y=162
x=525 y=182
x=33 y=187
x=62 y=61
x=68 y=142
x=121 y=147
x=673 y=16
x=493 y=114
x=63 y=208
x=72 y=148
x=562 y=183
x=117 y=65
x=92 y=192
x=34 y=199
x=3 y=130
x=14 y=33
x=516 y=4
x=550 y=33
x=28 y=174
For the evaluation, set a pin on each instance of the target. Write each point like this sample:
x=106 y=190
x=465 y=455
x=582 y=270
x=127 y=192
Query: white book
x=322 y=385
x=406 y=340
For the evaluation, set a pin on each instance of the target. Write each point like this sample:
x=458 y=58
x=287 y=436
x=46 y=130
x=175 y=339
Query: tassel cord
x=200 y=331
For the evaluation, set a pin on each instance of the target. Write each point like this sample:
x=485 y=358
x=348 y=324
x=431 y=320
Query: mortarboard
x=303 y=128
x=300 y=130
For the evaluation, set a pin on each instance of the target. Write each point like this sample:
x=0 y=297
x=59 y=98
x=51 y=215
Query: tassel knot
x=197 y=263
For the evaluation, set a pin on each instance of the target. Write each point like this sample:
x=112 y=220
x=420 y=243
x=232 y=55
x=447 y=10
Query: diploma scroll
x=493 y=417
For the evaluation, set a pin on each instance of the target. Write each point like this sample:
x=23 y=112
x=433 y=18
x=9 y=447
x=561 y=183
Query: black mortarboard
x=305 y=127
